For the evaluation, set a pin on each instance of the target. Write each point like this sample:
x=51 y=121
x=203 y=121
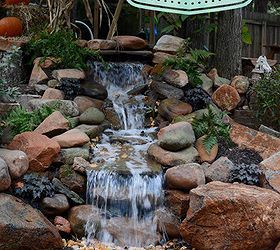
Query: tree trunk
x=229 y=43
x=261 y=6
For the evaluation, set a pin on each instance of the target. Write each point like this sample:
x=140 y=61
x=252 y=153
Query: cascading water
x=126 y=187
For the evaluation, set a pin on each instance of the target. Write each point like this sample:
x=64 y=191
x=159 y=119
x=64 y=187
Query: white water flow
x=125 y=188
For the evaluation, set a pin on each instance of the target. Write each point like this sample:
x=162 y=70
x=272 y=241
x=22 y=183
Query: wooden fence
x=264 y=30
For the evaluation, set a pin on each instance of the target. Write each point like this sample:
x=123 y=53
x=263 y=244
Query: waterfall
x=125 y=189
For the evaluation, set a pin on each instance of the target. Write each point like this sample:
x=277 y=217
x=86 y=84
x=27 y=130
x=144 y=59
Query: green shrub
x=61 y=45
x=268 y=99
x=20 y=120
x=213 y=126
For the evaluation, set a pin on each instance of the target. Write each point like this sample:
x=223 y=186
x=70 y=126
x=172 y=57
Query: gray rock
x=16 y=160
x=207 y=83
x=53 y=83
x=40 y=88
x=177 y=78
x=55 y=205
x=91 y=130
x=80 y=165
x=94 y=90
x=24 y=99
x=23 y=227
x=67 y=155
x=167 y=158
x=66 y=107
x=165 y=90
x=185 y=177
x=5 y=179
x=176 y=136
x=92 y=116
x=219 y=170
x=60 y=188
x=169 y=44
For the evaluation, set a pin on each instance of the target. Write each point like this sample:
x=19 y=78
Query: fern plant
x=20 y=120
x=212 y=126
x=189 y=60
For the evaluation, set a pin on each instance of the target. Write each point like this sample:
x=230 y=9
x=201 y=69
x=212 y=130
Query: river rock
x=17 y=162
x=81 y=165
x=271 y=172
x=177 y=201
x=169 y=44
x=130 y=42
x=62 y=224
x=40 y=150
x=93 y=90
x=167 y=158
x=5 y=179
x=219 y=170
x=85 y=102
x=171 y=108
x=67 y=155
x=207 y=84
x=168 y=223
x=266 y=145
x=91 y=130
x=241 y=84
x=55 y=205
x=204 y=155
x=226 y=97
x=53 y=83
x=232 y=216
x=53 y=125
x=68 y=73
x=160 y=57
x=217 y=80
x=176 y=136
x=23 y=227
x=66 y=107
x=177 y=78
x=101 y=44
x=71 y=138
x=185 y=177
x=71 y=179
x=80 y=215
x=40 y=88
x=92 y=116
x=51 y=93
x=165 y=90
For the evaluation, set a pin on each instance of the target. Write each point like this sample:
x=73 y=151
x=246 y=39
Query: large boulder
x=185 y=177
x=170 y=159
x=266 y=145
x=23 y=227
x=16 y=160
x=169 y=44
x=176 y=136
x=66 y=107
x=130 y=42
x=171 y=108
x=5 y=178
x=71 y=138
x=40 y=150
x=53 y=125
x=232 y=216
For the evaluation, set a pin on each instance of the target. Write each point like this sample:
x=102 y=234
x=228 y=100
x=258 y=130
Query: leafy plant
x=213 y=126
x=61 y=45
x=190 y=61
x=247 y=174
x=267 y=92
x=33 y=188
x=8 y=94
x=246 y=36
x=174 y=22
x=20 y=120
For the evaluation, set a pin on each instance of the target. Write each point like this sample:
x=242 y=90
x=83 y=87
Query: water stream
x=125 y=189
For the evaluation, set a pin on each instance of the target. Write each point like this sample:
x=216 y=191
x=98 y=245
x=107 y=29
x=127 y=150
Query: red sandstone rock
x=51 y=93
x=232 y=216
x=71 y=138
x=85 y=102
x=40 y=150
x=266 y=145
x=130 y=42
x=226 y=97
x=62 y=224
x=205 y=156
